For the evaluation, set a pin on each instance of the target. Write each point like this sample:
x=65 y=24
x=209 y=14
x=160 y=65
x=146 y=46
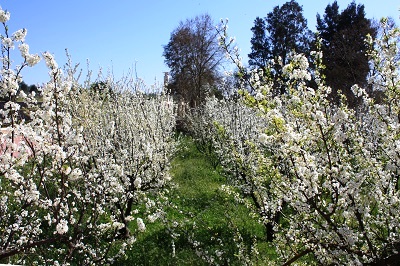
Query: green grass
x=198 y=211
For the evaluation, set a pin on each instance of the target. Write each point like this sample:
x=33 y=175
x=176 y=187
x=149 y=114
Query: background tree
x=343 y=45
x=194 y=57
x=282 y=32
x=288 y=30
x=260 y=48
x=27 y=88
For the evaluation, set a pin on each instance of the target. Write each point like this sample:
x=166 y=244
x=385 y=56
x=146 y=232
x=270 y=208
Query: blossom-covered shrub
x=231 y=131
x=129 y=135
x=80 y=174
x=330 y=171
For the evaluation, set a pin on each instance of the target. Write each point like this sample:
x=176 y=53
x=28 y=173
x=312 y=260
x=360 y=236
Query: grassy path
x=204 y=221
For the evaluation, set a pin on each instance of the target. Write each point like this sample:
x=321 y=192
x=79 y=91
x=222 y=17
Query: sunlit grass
x=204 y=222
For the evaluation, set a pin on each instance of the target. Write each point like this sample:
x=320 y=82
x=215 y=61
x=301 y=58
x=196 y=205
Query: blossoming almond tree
x=232 y=129
x=130 y=135
x=333 y=172
x=71 y=190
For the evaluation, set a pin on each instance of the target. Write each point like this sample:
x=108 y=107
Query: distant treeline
x=196 y=59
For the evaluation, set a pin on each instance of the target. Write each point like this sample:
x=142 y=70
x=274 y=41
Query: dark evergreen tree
x=288 y=31
x=329 y=24
x=343 y=44
x=260 y=49
x=282 y=32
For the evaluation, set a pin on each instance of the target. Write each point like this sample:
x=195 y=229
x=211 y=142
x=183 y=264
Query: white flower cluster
x=19 y=35
x=141 y=225
x=8 y=43
x=4 y=16
x=297 y=69
x=74 y=172
x=325 y=177
x=62 y=227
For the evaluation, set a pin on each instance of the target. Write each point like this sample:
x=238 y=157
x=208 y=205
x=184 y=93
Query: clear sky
x=117 y=35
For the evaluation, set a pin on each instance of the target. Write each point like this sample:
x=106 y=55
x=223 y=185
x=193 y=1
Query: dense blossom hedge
x=323 y=178
x=85 y=171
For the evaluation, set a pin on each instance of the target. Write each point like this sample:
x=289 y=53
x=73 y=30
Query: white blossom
x=8 y=43
x=4 y=15
x=50 y=61
x=263 y=138
x=62 y=227
x=138 y=183
x=32 y=59
x=141 y=225
x=19 y=35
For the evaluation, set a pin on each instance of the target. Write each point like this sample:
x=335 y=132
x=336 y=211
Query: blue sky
x=116 y=35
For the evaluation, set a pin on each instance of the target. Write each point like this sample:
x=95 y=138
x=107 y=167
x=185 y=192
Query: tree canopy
x=194 y=56
x=343 y=45
x=281 y=33
x=260 y=48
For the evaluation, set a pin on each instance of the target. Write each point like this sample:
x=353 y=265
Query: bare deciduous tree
x=194 y=56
